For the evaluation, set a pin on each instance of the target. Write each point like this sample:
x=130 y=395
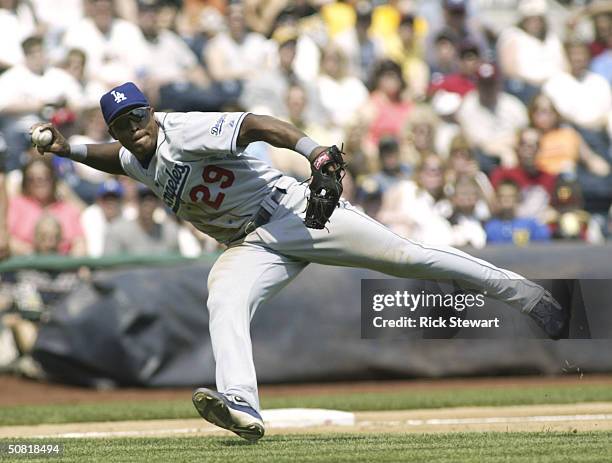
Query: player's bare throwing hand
x=200 y=166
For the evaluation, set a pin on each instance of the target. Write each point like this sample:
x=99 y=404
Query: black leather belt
x=262 y=216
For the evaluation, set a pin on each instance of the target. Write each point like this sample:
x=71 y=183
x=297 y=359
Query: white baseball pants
x=247 y=274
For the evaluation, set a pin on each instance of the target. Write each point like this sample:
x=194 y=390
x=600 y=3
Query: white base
x=306 y=417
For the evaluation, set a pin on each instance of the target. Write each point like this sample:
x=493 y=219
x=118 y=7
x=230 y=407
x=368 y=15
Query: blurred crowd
x=458 y=129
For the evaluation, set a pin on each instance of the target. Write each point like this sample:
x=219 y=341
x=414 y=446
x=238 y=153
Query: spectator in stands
x=237 y=55
x=4 y=235
x=490 y=118
x=507 y=227
x=340 y=93
x=296 y=101
x=418 y=134
x=602 y=63
x=143 y=235
x=581 y=97
x=569 y=220
x=39 y=197
x=466 y=213
x=82 y=179
x=261 y=15
x=92 y=129
x=47 y=235
x=561 y=147
x=205 y=24
x=362 y=157
x=419 y=209
x=599 y=16
x=75 y=64
x=387 y=110
x=16 y=24
x=111 y=43
x=445 y=105
x=267 y=92
x=464 y=80
x=312 y=38
x=456 y=22
x=412 y=208
x=392 y=170
x=338 y=16
x=462 y=164
x=407 y=52
x=444 y=58
x=26 y=89
x=536 y=186
x=369 y=196
x=530 y=53
x=169 y=71
x=53 y=18
x=599 y=13
x=361 y=50
x=96 y=219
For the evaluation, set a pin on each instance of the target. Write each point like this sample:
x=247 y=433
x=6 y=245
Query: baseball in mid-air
x=42 y=137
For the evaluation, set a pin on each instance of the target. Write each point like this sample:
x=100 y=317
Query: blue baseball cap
x=110 y=187
x=121 y=98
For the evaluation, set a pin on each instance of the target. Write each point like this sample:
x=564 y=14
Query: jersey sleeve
x=212 y=133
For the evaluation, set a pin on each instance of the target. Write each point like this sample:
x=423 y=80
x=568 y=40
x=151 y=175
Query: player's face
x=136 y=130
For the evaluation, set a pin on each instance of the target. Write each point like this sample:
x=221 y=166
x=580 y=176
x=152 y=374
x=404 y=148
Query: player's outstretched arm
x=275 y=132
x=327 y=165
x=100 y=156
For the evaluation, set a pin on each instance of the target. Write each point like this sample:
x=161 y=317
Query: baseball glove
x=325 y=187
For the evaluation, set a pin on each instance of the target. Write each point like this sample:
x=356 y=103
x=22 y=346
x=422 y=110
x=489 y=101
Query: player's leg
x=354 y=239
x=241 y=279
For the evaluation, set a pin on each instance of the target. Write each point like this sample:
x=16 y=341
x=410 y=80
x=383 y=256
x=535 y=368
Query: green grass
x=400 y=400
x=541 y=447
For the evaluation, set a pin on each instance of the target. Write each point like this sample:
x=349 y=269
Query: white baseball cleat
x=229 y=412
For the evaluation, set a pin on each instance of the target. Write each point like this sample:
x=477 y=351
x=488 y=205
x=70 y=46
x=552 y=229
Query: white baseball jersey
x=201 y=174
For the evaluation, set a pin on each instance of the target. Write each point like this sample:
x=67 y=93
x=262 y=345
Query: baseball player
x=199 y=165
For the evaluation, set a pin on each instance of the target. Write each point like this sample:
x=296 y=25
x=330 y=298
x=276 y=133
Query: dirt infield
x=580 y=417
x=560 y=418
x=17 y=391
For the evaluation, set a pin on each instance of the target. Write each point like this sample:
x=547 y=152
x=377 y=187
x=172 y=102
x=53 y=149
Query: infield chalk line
x=490 y=420
x=365 y=423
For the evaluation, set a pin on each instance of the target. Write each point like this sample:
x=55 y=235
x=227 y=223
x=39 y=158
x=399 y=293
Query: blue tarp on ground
x=149 y=327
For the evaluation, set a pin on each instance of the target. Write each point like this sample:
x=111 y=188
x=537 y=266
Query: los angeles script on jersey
x=175 y=183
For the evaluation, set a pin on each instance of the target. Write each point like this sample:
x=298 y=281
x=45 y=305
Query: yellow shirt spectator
x=338 y=17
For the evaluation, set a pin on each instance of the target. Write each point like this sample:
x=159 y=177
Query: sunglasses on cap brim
x=140 y=116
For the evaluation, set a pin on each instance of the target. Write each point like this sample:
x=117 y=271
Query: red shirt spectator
x=535 y=185
x=523 y=178
x=386 y=110
x=455 y=83
x=390 y=117
x=463 y=81
x=39 y=198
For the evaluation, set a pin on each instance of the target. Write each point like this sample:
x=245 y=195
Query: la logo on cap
x=119 y=97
